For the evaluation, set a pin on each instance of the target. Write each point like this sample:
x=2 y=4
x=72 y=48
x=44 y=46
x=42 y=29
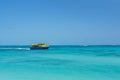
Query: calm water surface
x=60 y=63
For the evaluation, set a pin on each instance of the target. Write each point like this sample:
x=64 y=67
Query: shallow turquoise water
x=60 y=63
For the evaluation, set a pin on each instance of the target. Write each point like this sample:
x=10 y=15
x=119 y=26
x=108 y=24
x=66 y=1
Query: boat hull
x=38 y=48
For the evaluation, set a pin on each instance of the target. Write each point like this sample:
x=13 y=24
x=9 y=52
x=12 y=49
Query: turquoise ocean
x=60 y=63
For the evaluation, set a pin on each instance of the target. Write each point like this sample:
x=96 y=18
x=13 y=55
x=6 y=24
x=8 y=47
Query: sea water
x=60 y=63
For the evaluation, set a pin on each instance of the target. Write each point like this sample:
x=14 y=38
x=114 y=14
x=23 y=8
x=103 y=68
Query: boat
x=39 y=46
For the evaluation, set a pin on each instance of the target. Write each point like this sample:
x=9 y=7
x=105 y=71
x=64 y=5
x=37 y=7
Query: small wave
x=110 y=54
x=14 y=48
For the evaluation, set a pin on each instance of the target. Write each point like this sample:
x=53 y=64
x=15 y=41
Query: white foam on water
x=14 y=48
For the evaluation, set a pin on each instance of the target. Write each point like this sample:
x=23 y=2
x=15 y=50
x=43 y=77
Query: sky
x=60 y=22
